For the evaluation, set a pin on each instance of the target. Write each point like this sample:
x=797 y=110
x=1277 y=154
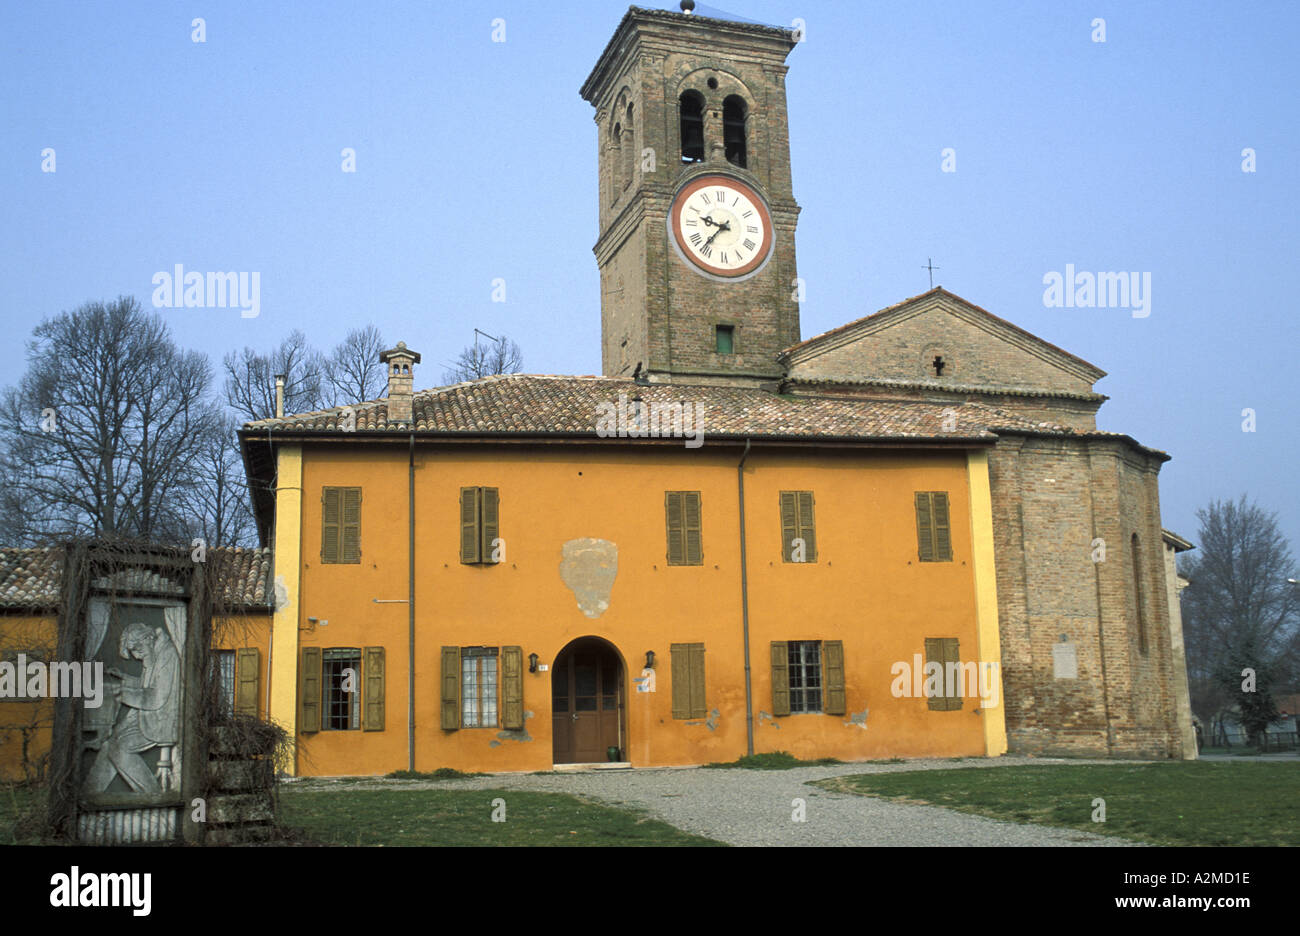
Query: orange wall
x=866 y=588
x=25 y=634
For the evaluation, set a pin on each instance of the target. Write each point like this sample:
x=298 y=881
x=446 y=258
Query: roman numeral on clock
x=748 y=213
x=691 y=222
x=705 y=197
x=707 y=250
x=696 y=238
x=723 y=256
x=751 y=228
x=749 y=244
x=722 y=197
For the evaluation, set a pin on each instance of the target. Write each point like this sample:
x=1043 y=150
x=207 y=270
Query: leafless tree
x=219 y=508
x=485 y=358
x=101 y=434
x=250 y=379
x=1239 y=610
x=353 y=372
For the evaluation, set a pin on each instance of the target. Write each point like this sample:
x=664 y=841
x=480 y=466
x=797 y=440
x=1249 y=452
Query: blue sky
x=476 y=160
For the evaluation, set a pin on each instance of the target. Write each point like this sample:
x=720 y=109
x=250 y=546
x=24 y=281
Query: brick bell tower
x=697 y=212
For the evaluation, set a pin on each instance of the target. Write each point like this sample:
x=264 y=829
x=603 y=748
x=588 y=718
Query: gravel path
x=754 y=807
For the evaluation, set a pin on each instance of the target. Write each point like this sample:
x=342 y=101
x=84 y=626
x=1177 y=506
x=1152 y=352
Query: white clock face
x=722 y=226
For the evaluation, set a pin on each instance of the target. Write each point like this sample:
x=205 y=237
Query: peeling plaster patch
x=858 y=718
x=694 y=724
x=514 y=734
x=589 y=567
x=713 y=720
x=764 y=717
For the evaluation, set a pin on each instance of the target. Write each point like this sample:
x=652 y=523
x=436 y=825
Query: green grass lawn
x=418 y=817
x=464 y=817
x=1194 y=803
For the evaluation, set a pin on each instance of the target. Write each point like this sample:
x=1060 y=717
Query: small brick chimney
x=399 y=362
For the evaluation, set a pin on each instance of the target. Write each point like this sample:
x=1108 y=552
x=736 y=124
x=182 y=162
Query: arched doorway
x=587 y=702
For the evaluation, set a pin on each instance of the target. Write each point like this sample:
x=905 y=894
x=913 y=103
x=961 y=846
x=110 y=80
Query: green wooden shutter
x=780 y=675
x=469 y=525
x=309 y=695
x=681 y=676
x=490 y=498
x=944 y=650
x=451 y=684
x=250 y=663
x=676 y=526
x=374 y=686
x=351 y=537
x=942 y=536
x=512 y=687
x=934 y=653
x=951 y=654
x=924 y=527
x=789 y=524
x=694 y=544
x=688 y=680
x=833 y=678
x=699 y=707
x=807 y=526
x=330 y=523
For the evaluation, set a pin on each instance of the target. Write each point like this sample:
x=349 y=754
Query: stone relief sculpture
x=140 y=713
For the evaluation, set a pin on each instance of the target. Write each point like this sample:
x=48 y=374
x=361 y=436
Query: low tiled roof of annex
x=32 y=579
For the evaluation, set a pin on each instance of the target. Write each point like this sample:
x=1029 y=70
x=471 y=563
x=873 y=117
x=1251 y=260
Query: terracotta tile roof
x=941 y=386
x=31 y=579
x=938 y=291
x=522 y=404
x=245 y=575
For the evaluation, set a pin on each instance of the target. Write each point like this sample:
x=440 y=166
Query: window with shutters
x=480 y=526
x=478 y=687
x=945 y=652
x=685 y=546
x=341 y=685
x=472 y=682
x=933 y=531
x=688 y=680
x=340 y=524
x=798 y=528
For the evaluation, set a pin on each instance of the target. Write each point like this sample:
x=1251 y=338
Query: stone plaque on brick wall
x=1065 y=661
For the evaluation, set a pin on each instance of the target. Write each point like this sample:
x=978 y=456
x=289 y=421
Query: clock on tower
x=697 y=212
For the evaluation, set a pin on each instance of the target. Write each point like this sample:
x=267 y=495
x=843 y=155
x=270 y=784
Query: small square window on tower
x=725 y=336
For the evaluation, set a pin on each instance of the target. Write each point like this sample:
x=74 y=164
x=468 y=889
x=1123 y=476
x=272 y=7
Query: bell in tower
x=696 y=208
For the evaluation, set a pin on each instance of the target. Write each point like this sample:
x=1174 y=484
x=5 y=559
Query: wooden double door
x=587 y=702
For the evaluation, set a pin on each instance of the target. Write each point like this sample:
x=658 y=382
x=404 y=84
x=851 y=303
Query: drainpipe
x=744 y=605
x=410 y=608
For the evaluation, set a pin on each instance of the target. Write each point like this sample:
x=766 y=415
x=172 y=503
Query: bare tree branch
x=484 y=359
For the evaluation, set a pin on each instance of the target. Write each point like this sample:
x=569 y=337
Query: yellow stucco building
x=573 y=594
